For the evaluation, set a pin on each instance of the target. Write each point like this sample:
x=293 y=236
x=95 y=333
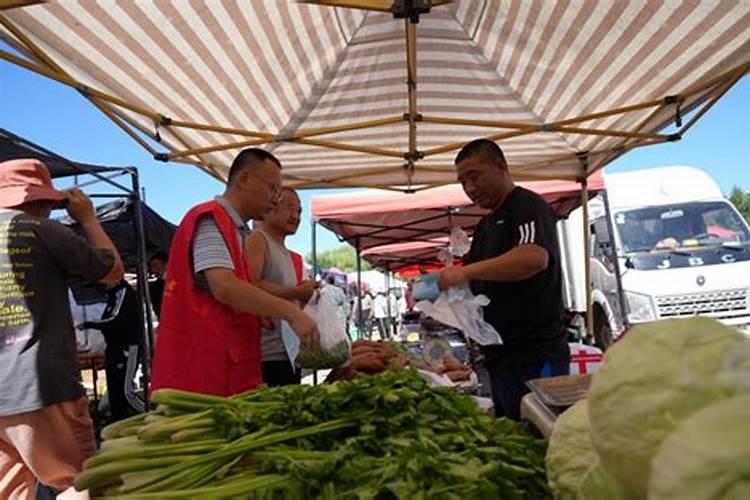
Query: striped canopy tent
x=382 y=93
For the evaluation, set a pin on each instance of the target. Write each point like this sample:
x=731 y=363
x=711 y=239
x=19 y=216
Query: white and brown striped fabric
x=280 y=67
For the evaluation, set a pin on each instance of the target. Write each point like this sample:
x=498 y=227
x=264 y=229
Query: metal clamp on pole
x=411 y=9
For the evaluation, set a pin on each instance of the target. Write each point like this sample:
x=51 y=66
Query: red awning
x=396 y=230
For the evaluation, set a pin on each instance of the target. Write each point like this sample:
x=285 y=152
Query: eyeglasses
x=273 y=187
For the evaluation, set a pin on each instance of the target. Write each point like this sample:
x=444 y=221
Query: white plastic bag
x=335 y=346
x=459 y=308
x=459 y=242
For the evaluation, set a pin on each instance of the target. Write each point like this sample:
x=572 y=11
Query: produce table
x=551 y=396
x=538 y=414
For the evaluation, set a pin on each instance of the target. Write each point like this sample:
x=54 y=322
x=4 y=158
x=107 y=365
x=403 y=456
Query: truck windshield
x=681 y=226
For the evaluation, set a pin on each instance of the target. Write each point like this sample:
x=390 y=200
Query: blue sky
x=58 y=118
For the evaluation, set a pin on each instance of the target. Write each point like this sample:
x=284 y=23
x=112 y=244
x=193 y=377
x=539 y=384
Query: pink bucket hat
x=26 y=180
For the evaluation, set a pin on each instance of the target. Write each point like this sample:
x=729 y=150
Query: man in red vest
x=279 y=271
x=209 y=332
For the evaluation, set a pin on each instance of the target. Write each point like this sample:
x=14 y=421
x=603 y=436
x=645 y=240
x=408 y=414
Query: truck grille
x=720 y=304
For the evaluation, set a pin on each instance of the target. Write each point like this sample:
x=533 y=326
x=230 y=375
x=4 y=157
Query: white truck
x=664 y=243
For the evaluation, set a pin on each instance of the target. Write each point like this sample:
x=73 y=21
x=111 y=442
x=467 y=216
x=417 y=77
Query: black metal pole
x=314 y=276
x=143 y=292
x=389 y=323
x=360 y=322
x=615 y=258
x=314 y=251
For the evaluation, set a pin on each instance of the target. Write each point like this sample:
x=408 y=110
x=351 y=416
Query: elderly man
x=45 y=428
x=209 y=332
x=279 y=271
x=515 y=261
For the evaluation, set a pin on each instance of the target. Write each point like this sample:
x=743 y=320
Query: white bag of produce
x=335 y=346
x=459 y=308
x=655 y=378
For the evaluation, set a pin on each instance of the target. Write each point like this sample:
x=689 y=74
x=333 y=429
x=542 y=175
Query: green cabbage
x=599 y=484
x=573 y=467
x=652 y=380
x=570 y=453
x=707 y=456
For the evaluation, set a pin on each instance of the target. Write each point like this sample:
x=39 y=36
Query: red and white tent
x=395 y=230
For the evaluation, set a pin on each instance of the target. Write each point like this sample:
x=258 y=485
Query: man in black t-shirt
x=515 y=261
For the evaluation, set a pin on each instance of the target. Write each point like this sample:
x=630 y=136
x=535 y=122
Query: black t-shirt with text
x=528 y=313
x=39 y=259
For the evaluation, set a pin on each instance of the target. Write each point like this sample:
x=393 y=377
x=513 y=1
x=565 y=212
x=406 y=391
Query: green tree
x=343 y=257
x=741 y=200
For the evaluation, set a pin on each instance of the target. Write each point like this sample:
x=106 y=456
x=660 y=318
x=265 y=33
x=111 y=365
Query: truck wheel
x=602 y=331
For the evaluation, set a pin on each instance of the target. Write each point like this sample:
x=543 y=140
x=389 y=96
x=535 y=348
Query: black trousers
x=508 y=380
x=279 y=373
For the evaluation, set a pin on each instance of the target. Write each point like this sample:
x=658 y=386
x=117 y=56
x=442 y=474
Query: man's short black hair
x=250 y=157
x=159 y=255
x=485 y=148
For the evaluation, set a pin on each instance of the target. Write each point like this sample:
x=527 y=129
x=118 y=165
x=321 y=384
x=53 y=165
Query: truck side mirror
x=602 y=232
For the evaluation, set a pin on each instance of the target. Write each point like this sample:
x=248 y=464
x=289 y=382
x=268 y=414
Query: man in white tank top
x=274 y=270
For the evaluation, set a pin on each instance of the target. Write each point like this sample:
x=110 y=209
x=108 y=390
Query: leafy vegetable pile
x=387 y=436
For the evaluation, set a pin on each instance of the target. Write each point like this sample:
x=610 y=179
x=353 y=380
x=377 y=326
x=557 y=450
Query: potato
x=457 y=375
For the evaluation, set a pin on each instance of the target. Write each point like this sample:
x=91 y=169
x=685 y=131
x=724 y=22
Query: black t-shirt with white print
x=528 y=313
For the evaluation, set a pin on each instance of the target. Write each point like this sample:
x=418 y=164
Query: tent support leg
x=615 y=260
x=360 y=322
x=587 y=257
x=314 y=251
x=143 y=293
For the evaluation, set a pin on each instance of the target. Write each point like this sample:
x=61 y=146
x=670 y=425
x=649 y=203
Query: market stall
x=379 y=95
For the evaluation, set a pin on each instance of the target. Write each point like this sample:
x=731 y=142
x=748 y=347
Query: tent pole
x=143 y=292
x=360 y=323
x=389 y=325
x=411 y=83
x=314 y=251
x=587 y=257
x=615 y=258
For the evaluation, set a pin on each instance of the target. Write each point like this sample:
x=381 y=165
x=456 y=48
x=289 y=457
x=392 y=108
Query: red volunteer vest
x=202 y=345
x=298 y=266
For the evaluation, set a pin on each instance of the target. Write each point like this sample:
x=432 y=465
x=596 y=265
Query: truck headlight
x=640 y=307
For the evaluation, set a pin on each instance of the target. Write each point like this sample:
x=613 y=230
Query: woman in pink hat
x=45 y=428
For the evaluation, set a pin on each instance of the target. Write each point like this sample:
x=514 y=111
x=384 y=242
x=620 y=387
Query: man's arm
x=518 y=264
x=81 y=209
x=256 y=253
x=248 y=298
x=531 y=229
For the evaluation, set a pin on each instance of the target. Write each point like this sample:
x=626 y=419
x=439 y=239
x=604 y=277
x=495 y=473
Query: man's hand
x=79 y=206
x=451 y=276
x=305 y=290
x=306 y=330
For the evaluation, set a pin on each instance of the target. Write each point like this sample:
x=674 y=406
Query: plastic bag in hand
x=325 y=308
x=459 y=308
x=459 y=242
